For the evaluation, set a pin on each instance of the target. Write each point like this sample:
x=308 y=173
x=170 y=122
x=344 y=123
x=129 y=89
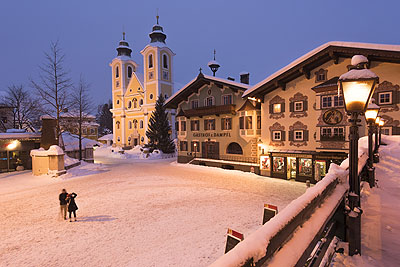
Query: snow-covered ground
x=133 y=213
x=380 y=227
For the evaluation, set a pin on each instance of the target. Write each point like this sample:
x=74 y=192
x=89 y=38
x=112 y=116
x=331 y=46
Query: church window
x=116 y=72
x=150 y=60
x=151 y=96
x=117 y=124
x=130 y=125
x=129 y=71
x=130 y=104
x=135 y=124
x=142 y=139
x=165 y=61
x=118 y=139
x=151 y=75
x=165 y=75
x=134 y=103
x=141 y=102
x=141 y=124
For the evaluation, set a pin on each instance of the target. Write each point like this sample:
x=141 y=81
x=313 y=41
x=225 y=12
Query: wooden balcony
x=338 y=138
x=211 y=110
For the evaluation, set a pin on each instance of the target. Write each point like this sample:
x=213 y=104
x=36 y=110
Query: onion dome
x=157 y=35
x=123 y=47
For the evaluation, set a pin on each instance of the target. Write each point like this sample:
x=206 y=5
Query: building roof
x=329 y=84
x=75 y=114
x=20 y=136
x=106 y=137
x=322 y=54
x=195 y=84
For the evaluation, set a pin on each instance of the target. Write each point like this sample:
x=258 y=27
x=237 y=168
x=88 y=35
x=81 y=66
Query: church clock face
x=332 y=117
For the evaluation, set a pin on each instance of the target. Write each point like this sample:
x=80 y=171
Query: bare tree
x=82 y=104
x=54 y=84
x=25 y=107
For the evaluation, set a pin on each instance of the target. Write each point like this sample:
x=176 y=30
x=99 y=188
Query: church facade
x=134 y=93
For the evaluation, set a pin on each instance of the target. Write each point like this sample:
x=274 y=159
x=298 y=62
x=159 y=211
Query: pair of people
x=67 y=201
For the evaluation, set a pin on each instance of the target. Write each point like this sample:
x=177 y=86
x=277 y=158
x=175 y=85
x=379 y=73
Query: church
x=134 y=94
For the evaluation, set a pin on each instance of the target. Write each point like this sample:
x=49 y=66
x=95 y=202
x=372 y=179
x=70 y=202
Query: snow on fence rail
x=260 y=246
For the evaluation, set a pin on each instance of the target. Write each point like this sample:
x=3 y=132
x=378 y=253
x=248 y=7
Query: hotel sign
x=212 y=134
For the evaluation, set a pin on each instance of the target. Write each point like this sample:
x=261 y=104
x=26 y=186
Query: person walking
x=63 y=203
x=72 y=207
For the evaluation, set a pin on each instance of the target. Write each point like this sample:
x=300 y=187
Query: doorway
x=291 y=168
x=210 y=150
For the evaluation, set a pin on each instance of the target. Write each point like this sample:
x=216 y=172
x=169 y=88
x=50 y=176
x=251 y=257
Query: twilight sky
x=258 y=36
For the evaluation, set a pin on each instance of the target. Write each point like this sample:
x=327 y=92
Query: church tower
x=123 y=68
x=158 y=65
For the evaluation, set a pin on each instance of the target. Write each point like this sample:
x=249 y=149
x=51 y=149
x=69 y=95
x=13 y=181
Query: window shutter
x=283 y=136
x=305 y=105
x=305 y=135
x=283 y=107
x=272 y=136
x=395 y=97
x=291 y=135
x=271 y=108
x=291 y=106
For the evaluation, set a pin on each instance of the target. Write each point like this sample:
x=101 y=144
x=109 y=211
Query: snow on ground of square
x=133 y=212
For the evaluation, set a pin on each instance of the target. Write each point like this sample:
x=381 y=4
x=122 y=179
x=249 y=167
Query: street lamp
x=376 y=149
x=9 y=147
x=195 y=148
x=357 y=86
x=370 y=116
x=381 y=123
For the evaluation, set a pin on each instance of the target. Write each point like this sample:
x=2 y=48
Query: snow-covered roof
x=244 y=73
x=75 y=114
x=358 y=74
x=106 y=137
x=71 y=141
x=53 y=150
x=15 y=131
x=383 y=47
x=212 y=62
x=18 y=136
x=212 y=78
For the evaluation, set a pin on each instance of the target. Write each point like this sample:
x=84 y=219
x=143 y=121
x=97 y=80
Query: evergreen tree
x=104 y=118
x=159 y=129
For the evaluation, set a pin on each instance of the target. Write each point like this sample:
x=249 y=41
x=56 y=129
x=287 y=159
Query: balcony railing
x=332 y=138
x=211 y=110
x=239 y=158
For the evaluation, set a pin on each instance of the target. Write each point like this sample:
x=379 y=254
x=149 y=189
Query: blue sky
x=255 y=36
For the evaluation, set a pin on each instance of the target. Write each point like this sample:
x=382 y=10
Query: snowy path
x=145 y=213
x=380 y=229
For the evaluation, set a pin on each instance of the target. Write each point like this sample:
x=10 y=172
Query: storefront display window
x=305 y=167
x=320 y=169
x=265 y=163
x=279 y=164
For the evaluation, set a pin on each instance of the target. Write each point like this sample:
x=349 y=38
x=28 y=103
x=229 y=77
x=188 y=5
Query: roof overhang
x=329 y=51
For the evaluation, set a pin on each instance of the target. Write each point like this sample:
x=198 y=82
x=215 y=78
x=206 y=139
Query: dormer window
x=116 y=72
x=321 y=75
x=150 y=60
x=165 y=61
x=130 y=72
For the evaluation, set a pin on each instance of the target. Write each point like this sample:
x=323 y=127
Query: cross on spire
x=157 y=16
x=214 y=53
x=123 y=35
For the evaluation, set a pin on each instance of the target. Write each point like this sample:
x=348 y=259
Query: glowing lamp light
x=12 y=145
x=377 y=120
x=357 y=85
x=381 y=122
x=372 y=112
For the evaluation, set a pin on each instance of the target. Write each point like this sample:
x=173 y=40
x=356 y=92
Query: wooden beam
x=306 y=72
x=281 y=85
x=334 y=56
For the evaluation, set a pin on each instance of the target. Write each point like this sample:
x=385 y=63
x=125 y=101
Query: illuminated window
x=277 y=108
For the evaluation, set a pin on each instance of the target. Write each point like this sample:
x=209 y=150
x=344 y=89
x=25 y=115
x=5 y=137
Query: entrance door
x=210 y=150
x=135 y=141
x=291 y=165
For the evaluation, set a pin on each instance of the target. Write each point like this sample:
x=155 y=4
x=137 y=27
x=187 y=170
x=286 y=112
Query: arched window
x=141 y=124
x=166 y=96
x=134 y=103
x=234 y=148
x=117 y=124
x=165 y=61
x=130 y=104
x=129 y=71
x=151 y=96
x=130 y=125
x=135 y=124
x=118 y=139
x=116 y=72
x=150 y=60
x=141 y=102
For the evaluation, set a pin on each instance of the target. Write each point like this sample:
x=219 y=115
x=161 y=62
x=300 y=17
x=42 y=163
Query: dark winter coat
x=71 y=203
x=63 y=198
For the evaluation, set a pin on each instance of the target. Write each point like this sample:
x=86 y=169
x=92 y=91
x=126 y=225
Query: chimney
x=231 y=78
x=245 y=77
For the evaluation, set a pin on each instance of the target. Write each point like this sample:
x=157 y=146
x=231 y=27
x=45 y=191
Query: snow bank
x=69 y=161
x=71 y=142
x=136 y=152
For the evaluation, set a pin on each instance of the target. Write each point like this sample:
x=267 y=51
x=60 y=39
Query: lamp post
x=376 y=149
x=195 y=148
x=381 y=123
x=370 y=116
x=357 y=86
